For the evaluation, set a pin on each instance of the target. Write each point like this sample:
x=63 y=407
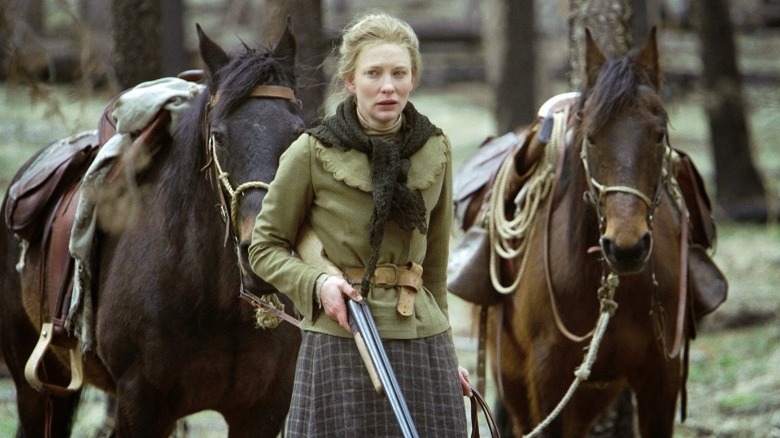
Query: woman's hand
x=465 y=383
x=332 y=295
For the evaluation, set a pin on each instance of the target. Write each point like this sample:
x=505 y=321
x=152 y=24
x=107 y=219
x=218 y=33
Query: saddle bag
x=479 y=170
x=468 y=268
x=31 y=195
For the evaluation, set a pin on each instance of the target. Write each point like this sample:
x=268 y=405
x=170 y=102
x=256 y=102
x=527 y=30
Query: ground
x=734 y=384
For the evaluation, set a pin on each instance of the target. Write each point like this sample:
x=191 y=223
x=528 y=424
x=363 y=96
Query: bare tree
x=307 y=24
x=609 y=23
x=174 y=56
x=22 y=24
x=312 y=50
x=137 y=32
x=508 y=41
x=739 y=189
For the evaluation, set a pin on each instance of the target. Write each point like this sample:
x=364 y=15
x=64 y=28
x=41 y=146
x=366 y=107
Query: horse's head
x=252 y=117
x=624 y=148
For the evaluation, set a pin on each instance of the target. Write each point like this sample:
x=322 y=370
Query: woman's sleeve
x=276 y=227
x=439 y=228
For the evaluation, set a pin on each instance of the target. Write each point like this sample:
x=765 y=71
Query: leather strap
x=481 y=346
x=277 y=91
x=478 y=403
x=408 y=280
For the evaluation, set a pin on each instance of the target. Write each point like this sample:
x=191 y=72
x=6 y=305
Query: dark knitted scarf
x=390 y=165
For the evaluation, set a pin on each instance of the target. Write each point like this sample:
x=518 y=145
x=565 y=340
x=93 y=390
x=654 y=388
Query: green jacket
x=331 y=189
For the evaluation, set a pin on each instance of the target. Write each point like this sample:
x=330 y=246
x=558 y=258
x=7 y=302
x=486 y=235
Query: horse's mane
x=615 y=89
x=236 y=79
x=243 y=72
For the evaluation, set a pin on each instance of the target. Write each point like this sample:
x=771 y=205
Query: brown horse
x=171 y=335
x=607 y=242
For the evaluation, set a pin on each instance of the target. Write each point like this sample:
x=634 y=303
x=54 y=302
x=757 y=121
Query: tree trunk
x=22 y=26
x=645 y=15
x=309 y=31
x=515 y=100
x=739 y=189
x=608 y=21
x=508 y=41
x=271 y=16
x=96 y=43
x=137 y=31
x=174 y=55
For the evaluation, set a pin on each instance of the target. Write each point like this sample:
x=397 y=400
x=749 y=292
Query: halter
x=597 y=192
x=269 y=310
x=229 y=214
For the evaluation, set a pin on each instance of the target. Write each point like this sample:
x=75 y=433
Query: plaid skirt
x=333 y=395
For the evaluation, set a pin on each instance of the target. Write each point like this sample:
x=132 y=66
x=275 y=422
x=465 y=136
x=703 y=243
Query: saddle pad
x=703 y=231
x=35 y=188
x=481 y=166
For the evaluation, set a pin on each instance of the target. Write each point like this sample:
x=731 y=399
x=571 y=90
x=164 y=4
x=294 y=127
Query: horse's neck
x=581 y=223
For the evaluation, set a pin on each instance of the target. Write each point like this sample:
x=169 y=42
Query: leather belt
x=407 y=278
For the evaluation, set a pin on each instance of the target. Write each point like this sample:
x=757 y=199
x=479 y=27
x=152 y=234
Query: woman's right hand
x=332 y=295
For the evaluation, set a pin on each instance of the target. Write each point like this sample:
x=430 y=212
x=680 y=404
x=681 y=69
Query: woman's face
x=382 y=82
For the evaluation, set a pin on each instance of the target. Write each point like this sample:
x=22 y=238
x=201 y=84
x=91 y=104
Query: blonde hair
x=367 y=30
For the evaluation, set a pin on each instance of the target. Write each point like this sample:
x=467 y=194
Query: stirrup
x=34 y=362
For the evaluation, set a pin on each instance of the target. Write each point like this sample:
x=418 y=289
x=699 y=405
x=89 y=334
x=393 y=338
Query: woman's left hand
x=465 y=383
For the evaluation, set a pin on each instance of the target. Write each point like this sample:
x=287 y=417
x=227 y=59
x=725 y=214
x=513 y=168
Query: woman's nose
x=387 y=84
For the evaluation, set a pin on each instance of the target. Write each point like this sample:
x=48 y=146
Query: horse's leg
x=37 y=411
x=139 y=413
x=585 y=407
x=18 y=338
x=41 y=412
x=508 y=371
x=264 y=420
x=656 y=394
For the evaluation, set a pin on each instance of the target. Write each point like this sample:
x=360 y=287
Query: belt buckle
x=395 y=276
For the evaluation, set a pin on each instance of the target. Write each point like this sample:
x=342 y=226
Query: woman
x=374 y=182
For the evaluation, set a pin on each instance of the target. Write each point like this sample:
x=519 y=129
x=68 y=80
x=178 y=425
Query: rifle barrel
x=362 y=318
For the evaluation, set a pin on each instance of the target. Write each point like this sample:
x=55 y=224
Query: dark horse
x=612 y=216
x=172 y=336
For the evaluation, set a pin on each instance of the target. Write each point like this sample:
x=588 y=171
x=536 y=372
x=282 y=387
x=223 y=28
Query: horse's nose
x=627 y=259
x=252 y=282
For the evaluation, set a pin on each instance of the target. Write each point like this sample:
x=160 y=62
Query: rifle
x=309 y=249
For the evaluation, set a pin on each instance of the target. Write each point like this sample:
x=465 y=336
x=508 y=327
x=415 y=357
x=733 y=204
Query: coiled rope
x=509 y=237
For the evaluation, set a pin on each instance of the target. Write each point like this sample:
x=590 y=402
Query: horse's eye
x=219 y=138
x=659 y=137
x=591 y=140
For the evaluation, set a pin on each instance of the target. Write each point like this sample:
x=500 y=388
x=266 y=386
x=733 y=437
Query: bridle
x=270 y=311
x=229 y=211
x=597 y=192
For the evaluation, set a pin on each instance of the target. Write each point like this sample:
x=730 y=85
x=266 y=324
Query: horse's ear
x=286 y=47
x=594 y=59
x=213 y=56
x=647 y=59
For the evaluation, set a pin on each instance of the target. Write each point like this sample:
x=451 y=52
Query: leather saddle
x=41 y=208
